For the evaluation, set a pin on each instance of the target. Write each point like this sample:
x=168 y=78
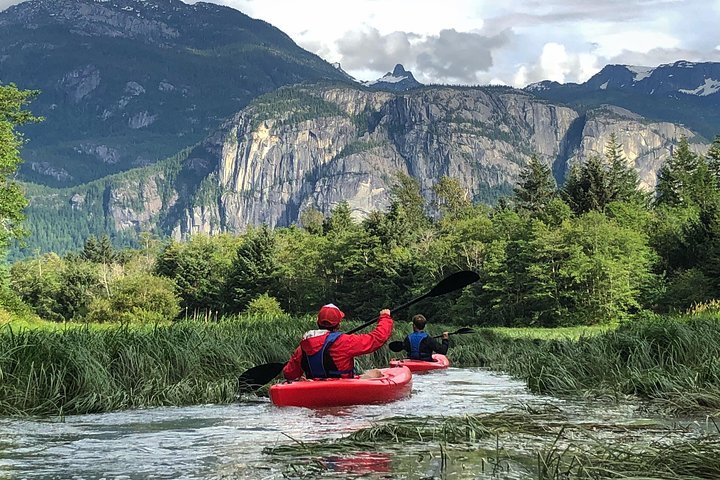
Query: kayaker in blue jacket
x=420 y=345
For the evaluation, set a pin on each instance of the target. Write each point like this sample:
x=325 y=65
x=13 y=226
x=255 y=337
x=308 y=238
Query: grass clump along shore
x=99 y=368
x=674 y=362
x=84 y=370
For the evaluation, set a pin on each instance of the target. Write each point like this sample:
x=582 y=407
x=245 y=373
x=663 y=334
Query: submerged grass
x=545 y=445
x=558 y=333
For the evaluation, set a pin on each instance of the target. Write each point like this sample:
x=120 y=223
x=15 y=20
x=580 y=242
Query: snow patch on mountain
x=640 y=72
x=397 y=80
x=387 y=79
x=708 y=88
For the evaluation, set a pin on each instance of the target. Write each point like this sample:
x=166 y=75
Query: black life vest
x=415 y=339
x=320 y=364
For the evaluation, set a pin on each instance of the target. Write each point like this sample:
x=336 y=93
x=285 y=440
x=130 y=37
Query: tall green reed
x=81 y=370
x=673 y=361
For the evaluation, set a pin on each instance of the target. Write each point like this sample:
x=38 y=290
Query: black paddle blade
x=459 y=331
x=454 y=282
x=396 y=346
x=256 y=377
x=463 y=330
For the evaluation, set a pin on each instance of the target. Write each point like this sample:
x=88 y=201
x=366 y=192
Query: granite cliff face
x=276 y=157
x=315 y=146
x=271 y=170
x=647 y=145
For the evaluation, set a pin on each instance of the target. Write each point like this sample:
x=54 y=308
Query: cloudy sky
x=514 y=42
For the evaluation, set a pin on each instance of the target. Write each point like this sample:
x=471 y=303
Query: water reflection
x=359 y=463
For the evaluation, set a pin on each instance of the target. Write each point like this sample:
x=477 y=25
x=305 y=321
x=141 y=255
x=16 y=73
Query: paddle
x=397 y=346
x=260 y=375
x=456 y=281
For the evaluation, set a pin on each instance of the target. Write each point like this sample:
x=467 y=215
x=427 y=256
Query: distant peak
x=397 y=80
x=399 y=70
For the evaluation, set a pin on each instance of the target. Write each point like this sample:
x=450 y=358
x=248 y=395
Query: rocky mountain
x=127 y=82
x=399 y=80
x=314 y=146
x=681 y=92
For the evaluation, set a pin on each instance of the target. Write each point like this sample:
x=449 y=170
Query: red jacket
x=343 y=351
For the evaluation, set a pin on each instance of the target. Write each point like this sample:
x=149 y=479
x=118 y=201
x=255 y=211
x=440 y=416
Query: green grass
x=46 y=368
x=672 y=362
x=84 y=370
x=572 y=333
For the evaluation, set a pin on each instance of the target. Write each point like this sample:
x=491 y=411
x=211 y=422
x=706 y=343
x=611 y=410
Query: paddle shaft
x=394 y=310
x=449 y=284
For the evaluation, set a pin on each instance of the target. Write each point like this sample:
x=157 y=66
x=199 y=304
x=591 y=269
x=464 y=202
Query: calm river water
x=226 y=441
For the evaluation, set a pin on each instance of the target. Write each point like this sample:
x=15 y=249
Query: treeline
x=596 y=250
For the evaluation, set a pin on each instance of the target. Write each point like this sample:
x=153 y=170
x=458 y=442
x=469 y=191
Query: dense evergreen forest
x=596 y=250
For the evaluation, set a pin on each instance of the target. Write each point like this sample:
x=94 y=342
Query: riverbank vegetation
x=668 y=364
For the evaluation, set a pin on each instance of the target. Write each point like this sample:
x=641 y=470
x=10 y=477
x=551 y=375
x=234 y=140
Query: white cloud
x=642 y=41
x=557 y=64
x=521 y=76
x=554 y=62
x=448 y=57
x=569 y=40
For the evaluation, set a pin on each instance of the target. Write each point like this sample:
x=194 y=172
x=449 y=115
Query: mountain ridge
x=399 y=80
x=679 y=92
x=127 y=82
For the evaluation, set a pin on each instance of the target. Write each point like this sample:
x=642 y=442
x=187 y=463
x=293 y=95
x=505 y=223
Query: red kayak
x=396 y=383
x=441 y=362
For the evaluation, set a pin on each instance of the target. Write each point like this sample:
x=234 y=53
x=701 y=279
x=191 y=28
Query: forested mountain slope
x=124 y=83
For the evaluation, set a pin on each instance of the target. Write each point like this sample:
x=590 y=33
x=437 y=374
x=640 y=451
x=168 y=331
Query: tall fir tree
x=713 y=160
x=12 y=199
x=90 y=249
x=311 y=219
x=98 y=251
x=450 y=199
x=623 y=179
x=536 y=188
x=406 y=217
x=340 y=219
x=106 y=252
x=588 y=187
x=254 y=270
x=677 y=177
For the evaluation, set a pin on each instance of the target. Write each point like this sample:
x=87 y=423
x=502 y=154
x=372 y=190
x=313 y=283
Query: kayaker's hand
x=384 y=312
x=446 y=335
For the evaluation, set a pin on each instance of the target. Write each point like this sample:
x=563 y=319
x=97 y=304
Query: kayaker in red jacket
x=328 y=353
